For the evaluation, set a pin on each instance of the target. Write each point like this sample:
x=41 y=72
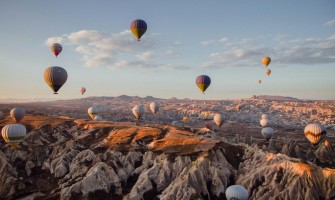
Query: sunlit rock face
x=277 y=176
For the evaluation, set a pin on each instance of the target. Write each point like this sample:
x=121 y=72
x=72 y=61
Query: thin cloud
x=330 y=22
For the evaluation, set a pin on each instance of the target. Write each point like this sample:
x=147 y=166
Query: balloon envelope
x=218 y=119
x=55 y=77
x=1 y=115
x=259 y=81
x=13 y=133
x=315 y=133
x=238 y=108
x=267 y=133
x=268 y=72
x=82 y=90
x=175 y=123
x=93 y=111
x=154 y=107
x=56 y=48
x=208 y=125
x=203 y=82
x=138 y=27
x=266 y=61
x=138 y=111
x=235 y=192
x=186 y=120
x=17 y=114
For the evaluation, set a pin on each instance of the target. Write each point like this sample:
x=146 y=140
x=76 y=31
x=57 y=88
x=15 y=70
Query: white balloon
x=235 y=192
x=218 y=119
x=264 y=122
x=154 y=107
x=97 y=118
x=267 y=133
x=138 y=111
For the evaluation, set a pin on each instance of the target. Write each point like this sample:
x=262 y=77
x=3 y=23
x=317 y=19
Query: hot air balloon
x=236 y=192
x=208 y=125
x=1 y=115
x=82 y=90
x=268 y=72
x=206 y=115
x=259 y=81
x=266 y=61
x=138 y=111
x=13 y=133
x=97 y=118
x=203 y=82
x=56 y=48
x=267 y=133
x=315 y=133
x=154 y=107
x=218 y=119
x=138 y=27
x=17 y=114
x=55 y=77
x=93 y=112
x=265 y=116
x=264 y=122
x=238 y=108
x=186 y=120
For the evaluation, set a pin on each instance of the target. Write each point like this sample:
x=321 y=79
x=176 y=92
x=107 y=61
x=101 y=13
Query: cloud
x=330 y=22
x=52 y=40
x=283 y=51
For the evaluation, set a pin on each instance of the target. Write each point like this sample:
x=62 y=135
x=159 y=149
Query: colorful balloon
x=13 y=133
x=186 y=120
x=138 y=111
x=267 y=133
x=93 y=112
x=82 y=90
x=268 y=72
x=17 y=114
x=55 y=77
x=138 y=27
x=315 y=133
x=203 y=82
x=218 y=119
x=238 y=108
x=56 y=48
x=154 y=107
x=266 y=61
x=236 y=192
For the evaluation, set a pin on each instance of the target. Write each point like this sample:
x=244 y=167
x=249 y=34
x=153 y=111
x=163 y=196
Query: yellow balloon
x=186 y=120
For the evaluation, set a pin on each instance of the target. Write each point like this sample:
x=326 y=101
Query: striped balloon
x=13 y=133
x=315 y=133
x=203 y=82
x=138 y=27
x=55 y=77
x=56 y=48
x=235 y=192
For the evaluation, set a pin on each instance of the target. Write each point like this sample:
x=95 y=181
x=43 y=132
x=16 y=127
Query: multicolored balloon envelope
x=315 y=133
x=203 y=82
x=55 y=77
x=13 y=134
x=56 y=48
x=138 y=27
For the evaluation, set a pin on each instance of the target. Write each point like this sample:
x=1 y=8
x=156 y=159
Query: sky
x=219 y=38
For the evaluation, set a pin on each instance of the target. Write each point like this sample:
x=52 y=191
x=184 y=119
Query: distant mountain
x=277 y=98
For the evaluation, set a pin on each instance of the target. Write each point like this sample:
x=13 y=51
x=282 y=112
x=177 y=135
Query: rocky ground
x=65 y=158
